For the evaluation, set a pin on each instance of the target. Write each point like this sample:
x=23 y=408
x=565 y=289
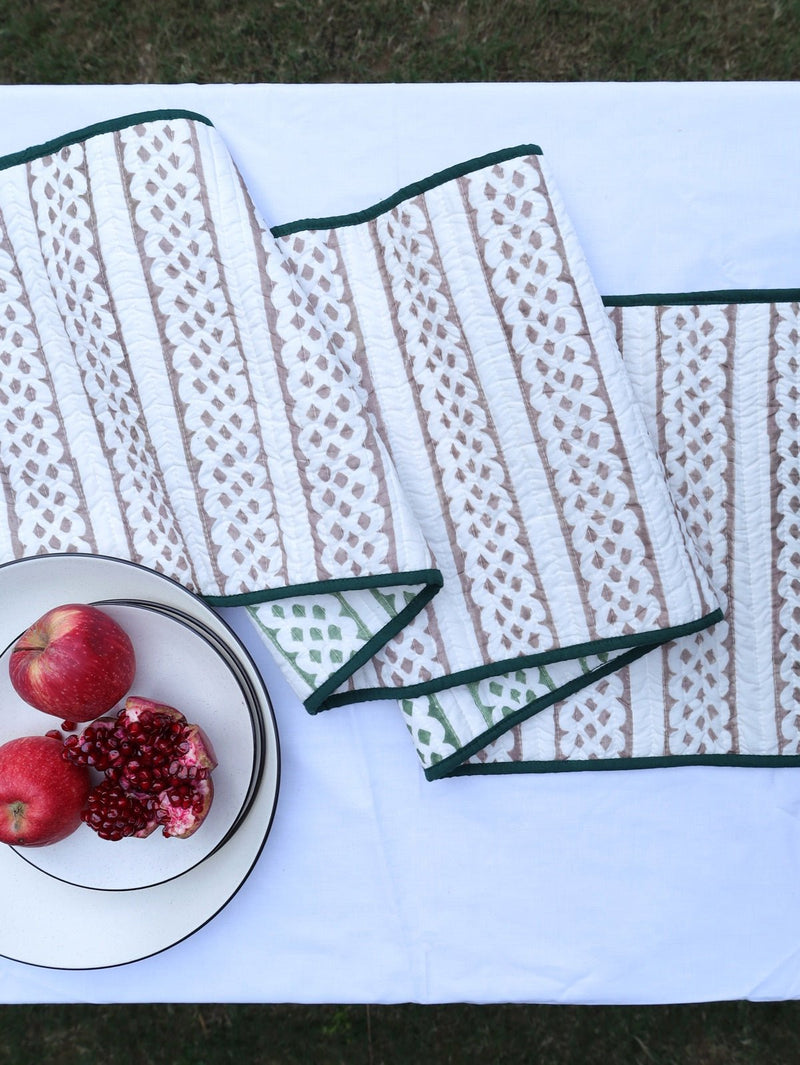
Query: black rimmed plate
x=131 y=924
x=180 y=665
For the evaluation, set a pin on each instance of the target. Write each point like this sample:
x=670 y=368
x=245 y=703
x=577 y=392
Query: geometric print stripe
x=562 y=379
x=784 y=432
x=200 y=338
x=512 y=275
x=460 y=439
x=696 y=352
x=46 y=507
x=62 y=203
x=325 y=401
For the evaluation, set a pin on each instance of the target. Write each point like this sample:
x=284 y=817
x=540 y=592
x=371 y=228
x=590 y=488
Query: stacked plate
x=140 y=896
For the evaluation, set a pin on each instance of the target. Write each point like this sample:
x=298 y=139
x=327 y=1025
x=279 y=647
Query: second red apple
x=76 y=662
x=41 y=794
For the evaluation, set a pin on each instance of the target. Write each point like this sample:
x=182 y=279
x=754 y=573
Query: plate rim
x=256 y=723
x=271 y=801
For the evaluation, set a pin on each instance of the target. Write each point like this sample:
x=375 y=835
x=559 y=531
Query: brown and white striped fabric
x=716 y=378
x=405 y=439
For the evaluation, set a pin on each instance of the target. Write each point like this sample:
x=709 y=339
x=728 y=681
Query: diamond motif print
x=61 y=200
x=495 y=562
x=537 y=304
x=209 y=377
x=695 y=384
x=45 y=503
x=785 y=422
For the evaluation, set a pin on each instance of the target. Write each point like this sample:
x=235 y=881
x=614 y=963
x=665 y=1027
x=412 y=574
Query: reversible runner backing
x=415 y=444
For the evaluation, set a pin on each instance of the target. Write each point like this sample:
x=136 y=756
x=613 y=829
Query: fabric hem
x=667 y=761
x=334 y=584
x=408 y=192
x=640 y=641
x=317 y=700
x=430 y=579
x=447 y=766
x=95 y=130
x=702 y=298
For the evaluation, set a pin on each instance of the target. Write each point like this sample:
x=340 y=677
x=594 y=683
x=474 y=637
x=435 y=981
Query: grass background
x=168 y=41
x=70 y=41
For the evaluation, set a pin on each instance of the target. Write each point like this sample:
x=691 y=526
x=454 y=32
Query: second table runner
x=405 y=439
x=715 y=375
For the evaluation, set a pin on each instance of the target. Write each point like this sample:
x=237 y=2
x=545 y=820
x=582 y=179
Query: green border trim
x=318 y=700
x=431 y=577
x=95 y=130
x=638 y=646
x=446 y=766
x=711 y=296
x=408 y=192
x=665 y=761
x=641 y=642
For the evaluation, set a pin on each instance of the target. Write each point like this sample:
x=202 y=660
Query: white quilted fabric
x=408 y=441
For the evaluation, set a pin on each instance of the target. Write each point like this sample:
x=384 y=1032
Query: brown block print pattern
x=598 y=723
x=696 y=439
x=62 y=203
x=500 y=585
x=205 y=363
x=579 y=441
x=784 y=429
x=339 y=455
x=416 y=653
x=44 y=502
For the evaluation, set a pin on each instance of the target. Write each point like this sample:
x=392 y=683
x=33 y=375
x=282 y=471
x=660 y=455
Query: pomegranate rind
x=136 y=705
x=179 y=822
x=200 y=752
x=148 y=830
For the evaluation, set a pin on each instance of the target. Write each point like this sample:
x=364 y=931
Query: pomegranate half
x=156 y=770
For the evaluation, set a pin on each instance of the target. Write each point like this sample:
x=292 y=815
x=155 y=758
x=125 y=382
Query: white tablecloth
x=375 y=885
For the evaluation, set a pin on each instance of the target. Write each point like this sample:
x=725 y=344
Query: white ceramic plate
x=178 y=665
x=126 y=925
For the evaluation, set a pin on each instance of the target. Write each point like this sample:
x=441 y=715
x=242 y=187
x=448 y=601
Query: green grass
x=719 y=1034
x=108 y=41
x=103 y=41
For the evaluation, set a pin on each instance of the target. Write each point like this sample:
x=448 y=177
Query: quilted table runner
x=415 y=444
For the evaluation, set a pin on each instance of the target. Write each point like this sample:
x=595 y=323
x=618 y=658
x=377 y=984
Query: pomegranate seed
x=156 y=768
x=115 y=814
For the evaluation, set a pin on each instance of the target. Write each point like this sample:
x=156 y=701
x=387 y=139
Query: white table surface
x=667 y=885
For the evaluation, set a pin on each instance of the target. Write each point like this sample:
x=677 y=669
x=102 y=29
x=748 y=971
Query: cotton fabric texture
x=414 y=443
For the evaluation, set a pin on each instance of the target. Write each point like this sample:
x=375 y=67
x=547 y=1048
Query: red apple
x=41 y=794
x=75 y=662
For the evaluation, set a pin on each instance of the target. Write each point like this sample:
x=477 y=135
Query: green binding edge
x=430 y=579
x=98 y=129
x=639 y=642
x=638 y=646
x=721 y=296
x=408 y=192
x=665 y=761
